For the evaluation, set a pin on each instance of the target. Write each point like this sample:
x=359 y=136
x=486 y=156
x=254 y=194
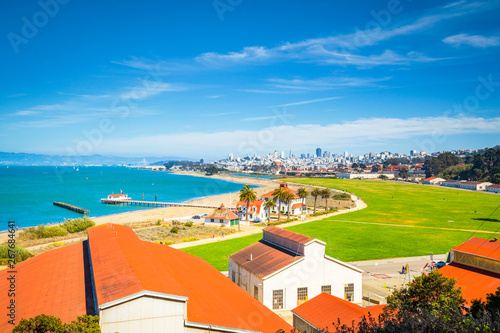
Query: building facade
x=285 y=269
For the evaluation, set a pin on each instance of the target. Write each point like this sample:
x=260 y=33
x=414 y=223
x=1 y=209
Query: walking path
x=251 y=230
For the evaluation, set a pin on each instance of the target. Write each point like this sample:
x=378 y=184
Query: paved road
x=393 y=266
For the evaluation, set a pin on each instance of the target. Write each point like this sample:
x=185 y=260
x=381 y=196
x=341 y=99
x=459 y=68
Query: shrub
x=341 y=196
x=42 y=231
x=174 y=230
x=189 y=224
x=190 y=239
x=77 y=225
x=20 y=254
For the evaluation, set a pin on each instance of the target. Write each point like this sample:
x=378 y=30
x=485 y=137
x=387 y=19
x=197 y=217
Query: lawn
x=391 y=203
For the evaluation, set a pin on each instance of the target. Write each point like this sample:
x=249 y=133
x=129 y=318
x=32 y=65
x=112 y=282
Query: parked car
x=197 y=217
x=438 y=264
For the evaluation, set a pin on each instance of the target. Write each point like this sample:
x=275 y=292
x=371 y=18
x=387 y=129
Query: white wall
x=314 y=271
x=144 y=314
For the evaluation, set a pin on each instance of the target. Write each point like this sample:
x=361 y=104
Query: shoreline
x=170 y=213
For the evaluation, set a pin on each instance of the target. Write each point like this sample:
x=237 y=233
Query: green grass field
x=414 y=206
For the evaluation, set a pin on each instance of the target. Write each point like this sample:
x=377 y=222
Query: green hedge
x=69 y=226
x=20 y=252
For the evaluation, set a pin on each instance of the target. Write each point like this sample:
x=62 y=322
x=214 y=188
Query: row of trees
x=282 y=195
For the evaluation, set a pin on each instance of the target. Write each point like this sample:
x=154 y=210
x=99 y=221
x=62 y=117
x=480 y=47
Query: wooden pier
x=72 y=208
x=152 y=203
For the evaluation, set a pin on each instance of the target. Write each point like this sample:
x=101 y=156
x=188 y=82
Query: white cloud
x=362 y=132
x=325 y=83
x=149 y=88
x=306 y=102
x=472 y=40
x=25 y=113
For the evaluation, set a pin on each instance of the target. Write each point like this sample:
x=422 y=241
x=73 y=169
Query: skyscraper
x=318 y=152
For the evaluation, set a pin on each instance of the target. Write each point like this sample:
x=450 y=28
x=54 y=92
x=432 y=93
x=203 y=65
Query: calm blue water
x=254 y=176
x=27 y=193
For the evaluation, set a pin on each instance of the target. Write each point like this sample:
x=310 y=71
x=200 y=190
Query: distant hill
x=40 y=159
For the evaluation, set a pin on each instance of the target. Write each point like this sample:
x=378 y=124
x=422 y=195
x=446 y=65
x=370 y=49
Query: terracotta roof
x=222 y=213
x=481 y=247
x=52 y=283
x=266 y=258
x=270 y=194
x=124 y=265
x=494 y=186
x=475 y=283
x=471 y=182
x=325 y=309
x=256 y=203
x=430 y=178
x=297 y=205
x=283 y=233
x=117 y=195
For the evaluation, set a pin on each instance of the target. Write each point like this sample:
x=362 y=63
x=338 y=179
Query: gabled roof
x=298 y=205
x=475 y=283
x=222 y=213
x=494 y=186
x=52 y=283
x=325 y=309
x=480 y=247
x=264 y=258
x=285 y=188
x=431 y=178
x=124 y=265
x=283 y=233
x=256 y=203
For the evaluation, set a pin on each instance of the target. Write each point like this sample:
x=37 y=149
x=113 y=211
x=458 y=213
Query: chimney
x=251 y=256
x=495 y=239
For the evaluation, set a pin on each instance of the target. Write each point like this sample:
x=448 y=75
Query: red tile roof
x=431 y=178
x=494 y=186
x=256 y=203
x=117 y=195
x=263 y=258
x=481 y=247
x=222 y=213
x=52 y=283
x=325 y=309
x=270 y=194
x=124 y=265
x=475 y=283
x=297 y=205
x=283 y=233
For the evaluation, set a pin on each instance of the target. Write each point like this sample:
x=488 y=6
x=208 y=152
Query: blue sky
x=202 y=79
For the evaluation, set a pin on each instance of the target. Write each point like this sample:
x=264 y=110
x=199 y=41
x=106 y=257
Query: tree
x=492 y=305
x=315 y=193
x=303 y=193
x=403 y=173
x=40 y=324
x=247 y=194
x=325 y=194
x=268 y=205
x=211 y=170
x=278 y=195
x=375 y=168
x=287 y=199
x=43 y=323
x=434 y=294
x=437 y=164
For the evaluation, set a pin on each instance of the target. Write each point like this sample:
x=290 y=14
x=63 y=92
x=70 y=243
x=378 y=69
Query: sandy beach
x=168 y=213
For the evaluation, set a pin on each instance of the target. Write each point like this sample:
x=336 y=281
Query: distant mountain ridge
x=26 y=159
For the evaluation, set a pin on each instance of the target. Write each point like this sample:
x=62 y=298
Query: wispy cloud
x=267 y=117
x=148 y=89
x=325 y=83
x=25 y=113
x=306 y=102
x=362 y=132
x=221 y=114
x=215 y=96
x=472 y=40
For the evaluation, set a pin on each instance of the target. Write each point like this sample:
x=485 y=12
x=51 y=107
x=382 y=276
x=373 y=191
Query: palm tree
x=247 y=194
x=315 y=193
x=287 y=199
x=302 y=192
x=267 y=206
x=325 y=194
x=278 y=195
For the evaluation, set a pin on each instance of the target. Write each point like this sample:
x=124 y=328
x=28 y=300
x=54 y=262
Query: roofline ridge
x=141 y=294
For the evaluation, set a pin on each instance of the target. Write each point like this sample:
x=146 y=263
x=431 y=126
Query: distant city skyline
x=201 y=81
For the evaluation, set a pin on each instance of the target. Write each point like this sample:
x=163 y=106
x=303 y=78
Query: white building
x=222 y=216
x=433 y=181
x=451 y=183
x=257 y=213
x=493 y=188
x=363 y=175
x=285 y=269
x=476 y=186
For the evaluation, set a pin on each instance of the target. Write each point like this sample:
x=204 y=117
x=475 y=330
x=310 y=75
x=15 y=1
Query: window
x=349 y=292
x=256 y=292
x=278 y=299
x=234 y=276
x=326 y=289
x=301 y=295
x=211 y=220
